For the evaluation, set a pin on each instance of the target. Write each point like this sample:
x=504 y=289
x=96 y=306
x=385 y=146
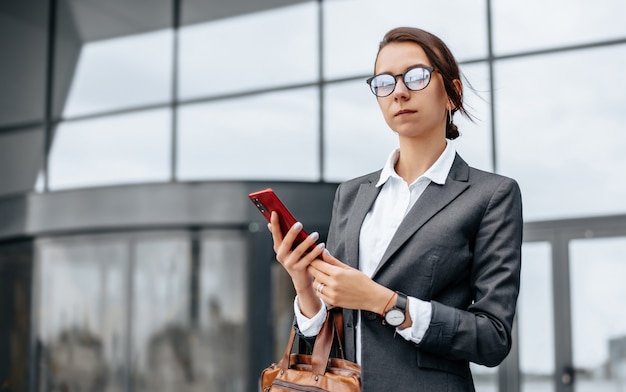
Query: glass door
x=535 y=319
x=598 y=304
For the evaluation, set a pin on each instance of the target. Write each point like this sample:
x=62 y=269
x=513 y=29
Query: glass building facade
x=131 y=132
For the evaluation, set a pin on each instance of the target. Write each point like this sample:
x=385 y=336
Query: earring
x=450 y=114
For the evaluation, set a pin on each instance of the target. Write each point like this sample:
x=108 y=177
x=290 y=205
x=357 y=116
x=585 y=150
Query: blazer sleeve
x=482 y=332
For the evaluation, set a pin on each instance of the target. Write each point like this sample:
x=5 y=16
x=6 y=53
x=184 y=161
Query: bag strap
x=321 y=348
x=333 y=325
x=338 y=318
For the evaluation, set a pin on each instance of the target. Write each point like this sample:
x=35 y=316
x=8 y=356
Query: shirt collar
x=437 y=173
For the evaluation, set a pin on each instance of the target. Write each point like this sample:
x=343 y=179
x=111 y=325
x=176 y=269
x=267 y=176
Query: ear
x=458 y=86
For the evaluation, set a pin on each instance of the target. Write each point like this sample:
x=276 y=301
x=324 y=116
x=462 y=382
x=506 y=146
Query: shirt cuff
x=309 y=326
x=421 y=313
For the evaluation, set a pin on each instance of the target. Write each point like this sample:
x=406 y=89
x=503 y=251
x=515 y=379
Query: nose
x=401 y=90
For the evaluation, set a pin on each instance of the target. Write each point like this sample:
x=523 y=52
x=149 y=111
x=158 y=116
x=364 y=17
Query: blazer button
x=370 y=316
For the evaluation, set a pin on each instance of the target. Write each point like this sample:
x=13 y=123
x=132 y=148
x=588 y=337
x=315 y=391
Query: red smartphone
x=266 y=201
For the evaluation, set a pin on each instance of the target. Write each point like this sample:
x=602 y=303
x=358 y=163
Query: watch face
x=394 y=317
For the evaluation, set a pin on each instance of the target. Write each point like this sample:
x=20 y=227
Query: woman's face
x=412 y=114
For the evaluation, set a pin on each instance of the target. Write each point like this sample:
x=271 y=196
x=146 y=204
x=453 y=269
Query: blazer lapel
x=364 y=199
x=433 y=200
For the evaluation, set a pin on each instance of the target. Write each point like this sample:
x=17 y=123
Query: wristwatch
x=395 y=316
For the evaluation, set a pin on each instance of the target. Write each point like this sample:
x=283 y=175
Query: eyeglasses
x=415 y=79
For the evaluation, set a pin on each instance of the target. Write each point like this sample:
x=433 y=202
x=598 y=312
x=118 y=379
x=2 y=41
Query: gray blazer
x=459 y=247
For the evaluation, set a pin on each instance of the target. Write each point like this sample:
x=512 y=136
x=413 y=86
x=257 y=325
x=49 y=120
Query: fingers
x=274 y=228
x=328 y=265
x=306 y=247
x=339 y=284
x=322 y=292
x=330 y=259
x=319 y=288
x=280 y=237
x=284 y=242
x=296 y=263
x=296 y=259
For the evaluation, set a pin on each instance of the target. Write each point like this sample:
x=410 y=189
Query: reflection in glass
x=353 y=29
x=269 y=136
x=111 y=150
x=578 y=22
x=81 y=336
x=561 y=136
x=162 y=338
x=223 y=307
x=535 y=318
x=122 y=72
x=249 y=52
x=358 y=141
x=597 y=290
x=89 y=286
x=17 y=303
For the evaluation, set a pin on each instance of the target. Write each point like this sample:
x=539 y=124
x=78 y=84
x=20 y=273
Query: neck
x=417 y=156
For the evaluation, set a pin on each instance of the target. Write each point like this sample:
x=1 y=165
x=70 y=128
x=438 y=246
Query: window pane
x=560 y=131
x=120 y=72
x=81 y=314
x=536 y=319
x=111 y=150
x=548 y=24
x=474 y=144
x=223 y=309
x=358 y=141
x=597 y=287
x=249 y=52
x=353 y=29
x=269 y=136
x=162 y=336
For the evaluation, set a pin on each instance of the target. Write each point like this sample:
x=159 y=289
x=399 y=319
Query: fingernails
x=269 y=226
x=326 y=252
x=320 y=245
x=315 y=235
x=297 y=226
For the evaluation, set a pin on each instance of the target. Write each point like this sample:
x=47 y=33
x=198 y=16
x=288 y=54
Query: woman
x=424 y=255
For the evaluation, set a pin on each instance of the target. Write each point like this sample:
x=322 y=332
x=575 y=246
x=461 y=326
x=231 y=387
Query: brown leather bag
x=315 y=372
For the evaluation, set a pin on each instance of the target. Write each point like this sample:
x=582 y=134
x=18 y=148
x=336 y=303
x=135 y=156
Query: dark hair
x=442 y=59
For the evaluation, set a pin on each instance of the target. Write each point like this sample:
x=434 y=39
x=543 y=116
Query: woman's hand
x=296 y=262
x=347 y=287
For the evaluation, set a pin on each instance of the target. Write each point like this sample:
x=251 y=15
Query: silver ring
x=320 y=287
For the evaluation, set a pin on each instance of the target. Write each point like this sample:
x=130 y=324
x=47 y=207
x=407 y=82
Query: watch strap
x=401 y=301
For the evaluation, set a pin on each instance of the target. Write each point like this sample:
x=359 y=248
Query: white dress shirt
x=394 y=201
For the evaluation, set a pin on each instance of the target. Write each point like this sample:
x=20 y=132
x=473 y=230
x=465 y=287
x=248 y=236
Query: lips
x=405 y=111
